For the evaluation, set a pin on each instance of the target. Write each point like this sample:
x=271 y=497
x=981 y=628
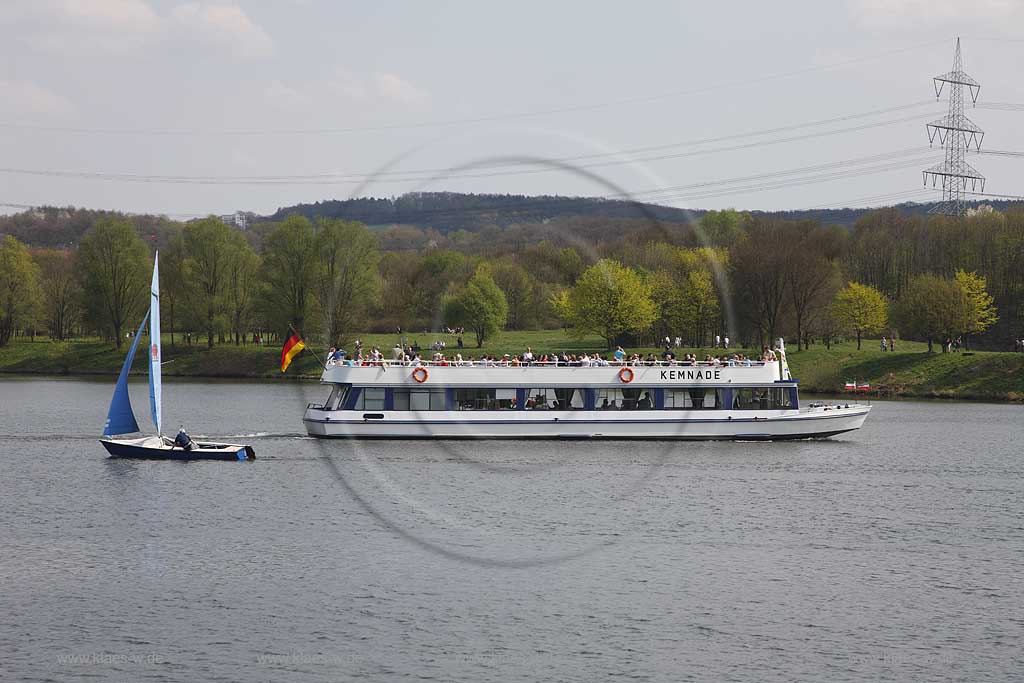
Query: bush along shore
x=908 y=372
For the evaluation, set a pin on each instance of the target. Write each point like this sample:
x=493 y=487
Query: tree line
x=628 y=280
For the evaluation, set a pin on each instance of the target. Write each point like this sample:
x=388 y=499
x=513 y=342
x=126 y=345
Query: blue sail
x=120 y=418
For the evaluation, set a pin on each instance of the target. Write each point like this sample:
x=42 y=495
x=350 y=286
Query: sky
x=188 y=108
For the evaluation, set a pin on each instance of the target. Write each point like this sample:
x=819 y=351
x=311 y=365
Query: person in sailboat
x=183 y=440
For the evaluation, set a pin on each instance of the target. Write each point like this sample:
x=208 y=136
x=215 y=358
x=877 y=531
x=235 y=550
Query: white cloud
x=393 y=87
x=82 y=27
x=286 y=98
x=910 y=14
x=348 y=84
x=224 y=26
x=377 y=90
x=130 y=16
x=24 y=98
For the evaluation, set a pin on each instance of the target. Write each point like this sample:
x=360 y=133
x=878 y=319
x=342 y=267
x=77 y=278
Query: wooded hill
x=435 y=212
x=451 y=211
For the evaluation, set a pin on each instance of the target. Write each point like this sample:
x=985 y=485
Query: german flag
x=292 y=347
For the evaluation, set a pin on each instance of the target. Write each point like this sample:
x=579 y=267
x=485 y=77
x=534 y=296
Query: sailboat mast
x=155 y=379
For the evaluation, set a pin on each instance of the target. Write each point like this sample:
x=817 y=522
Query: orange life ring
x=420 y=374
x=626 y=375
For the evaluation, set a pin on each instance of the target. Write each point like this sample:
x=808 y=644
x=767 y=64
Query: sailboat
x=121 y=418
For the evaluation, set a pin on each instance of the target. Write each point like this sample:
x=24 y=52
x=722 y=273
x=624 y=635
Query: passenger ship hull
x=644 y=425
x=345 y=414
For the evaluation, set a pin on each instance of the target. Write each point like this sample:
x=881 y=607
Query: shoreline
x=985 y=376
x=805 y=394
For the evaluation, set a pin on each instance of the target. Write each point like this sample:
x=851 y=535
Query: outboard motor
x=183 y=440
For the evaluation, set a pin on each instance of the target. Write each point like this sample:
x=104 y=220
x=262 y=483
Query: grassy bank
x=908 y=372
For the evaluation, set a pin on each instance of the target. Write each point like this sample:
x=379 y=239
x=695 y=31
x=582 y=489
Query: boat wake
x=254 y=435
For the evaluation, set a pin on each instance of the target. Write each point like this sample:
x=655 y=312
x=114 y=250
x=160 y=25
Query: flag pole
x=296 y=333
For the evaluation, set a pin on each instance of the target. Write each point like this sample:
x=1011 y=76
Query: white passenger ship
x=396 y=400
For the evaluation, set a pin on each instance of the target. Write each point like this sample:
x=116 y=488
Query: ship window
x=758 y=398
x=692 y=399
x=401 y=399
x=485 y=399
x=337 y=397
x=419 y=399
x=612 y=399
x=677 y=398
x=370 y=399
x=554 y=399
x=779 y=397
x=475 y=399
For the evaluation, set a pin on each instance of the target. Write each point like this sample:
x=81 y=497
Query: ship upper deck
x=498 y=374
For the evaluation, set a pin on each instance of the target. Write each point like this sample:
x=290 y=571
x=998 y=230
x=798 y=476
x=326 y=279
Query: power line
x=997 y=196
x=885 y=197
x=780 y=184
x=466 y=121
x=1001 y=106
x=910 y=152
x=1000 y=153
x=724 y=186
x=413 y=176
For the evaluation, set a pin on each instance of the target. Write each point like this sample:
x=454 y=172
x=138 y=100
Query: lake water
x=894 y=553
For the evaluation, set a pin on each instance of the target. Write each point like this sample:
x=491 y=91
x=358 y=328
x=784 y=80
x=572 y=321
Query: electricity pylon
x=957 y=134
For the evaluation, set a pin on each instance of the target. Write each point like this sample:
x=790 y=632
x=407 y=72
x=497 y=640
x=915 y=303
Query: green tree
x=860 y=308
x=700 y=304
x=758 y=262
x=289 y=266
x=19 y=288
x=608 y=299
x=114 y=269
x=546 y=262
x=241 y=277
x=932 y=307
x=59 y=291
x=480 y=305
x=436 y=274
x=721 y=228
x=520 y=292
x=210 y=251
x=811 y=278
x=981 y=311
x=347 y=277
x=669 y=302
x=172 y=281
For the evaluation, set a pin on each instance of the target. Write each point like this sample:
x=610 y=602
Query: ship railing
x=537 y=364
